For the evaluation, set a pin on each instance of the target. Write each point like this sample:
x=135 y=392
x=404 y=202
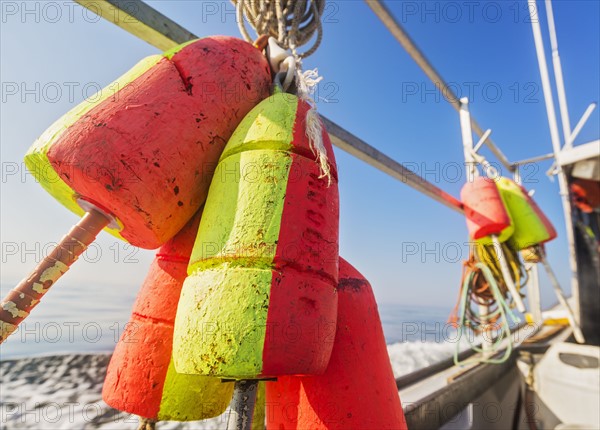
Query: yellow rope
x=487 y=255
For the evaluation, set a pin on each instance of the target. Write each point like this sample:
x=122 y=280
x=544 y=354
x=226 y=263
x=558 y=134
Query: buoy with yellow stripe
x=490 y=223
x=260 y=299
x=531 y=226
x=141 y=378
x=358 y=389
x=138 y=157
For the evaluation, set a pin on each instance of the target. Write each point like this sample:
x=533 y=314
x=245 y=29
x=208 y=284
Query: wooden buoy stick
x=19 y=302
x=242 y=405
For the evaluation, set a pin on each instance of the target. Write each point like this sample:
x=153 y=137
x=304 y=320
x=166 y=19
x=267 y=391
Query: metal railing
x=143 y=21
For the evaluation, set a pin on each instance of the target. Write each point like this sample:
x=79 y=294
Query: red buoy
x=358 y=389
x=485 y=211
x=141 y=378
x=585 y=194
x=146 y=153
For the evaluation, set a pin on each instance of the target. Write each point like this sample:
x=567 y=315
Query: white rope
x=293 y=23
x=307 y=82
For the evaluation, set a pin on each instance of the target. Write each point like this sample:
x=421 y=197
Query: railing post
x=471 y=173
x=555 y=137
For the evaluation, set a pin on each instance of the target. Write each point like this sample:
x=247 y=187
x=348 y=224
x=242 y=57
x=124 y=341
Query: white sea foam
x=407 y=357
x=64 y=391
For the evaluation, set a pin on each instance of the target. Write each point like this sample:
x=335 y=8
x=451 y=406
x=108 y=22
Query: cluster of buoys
x=510 y=229
x=141 y=157
x=500 y=207
x=239 y=190
x=502 y=219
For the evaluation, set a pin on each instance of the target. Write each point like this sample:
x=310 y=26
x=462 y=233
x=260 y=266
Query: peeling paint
x=39 y=288
x=53 y=273
x=6 y=329
x=14 y=310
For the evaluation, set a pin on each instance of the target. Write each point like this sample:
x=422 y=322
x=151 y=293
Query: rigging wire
x=394 y=27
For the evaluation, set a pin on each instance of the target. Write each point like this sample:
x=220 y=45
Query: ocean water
x=64 y=391
x=84 y=319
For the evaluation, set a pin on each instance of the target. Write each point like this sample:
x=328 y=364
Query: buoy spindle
x=242 y=405
x=19 y=302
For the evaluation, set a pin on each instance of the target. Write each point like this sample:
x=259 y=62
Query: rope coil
x=292 y=22
x=483 y=285
x=497 y=316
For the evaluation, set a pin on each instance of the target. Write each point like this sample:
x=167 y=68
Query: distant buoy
x=141 y=378
x=358 y=389
x=485 y=211
x=541 y=215
x=531 y=226
x=264 y=269
x=585 y=194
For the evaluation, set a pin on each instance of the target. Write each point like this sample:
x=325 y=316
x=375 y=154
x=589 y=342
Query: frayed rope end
x=306 y=83
x=314 y=132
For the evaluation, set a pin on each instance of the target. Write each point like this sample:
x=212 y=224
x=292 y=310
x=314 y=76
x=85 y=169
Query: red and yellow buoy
x=138 y=159
x=260 y=298
x=531 y=226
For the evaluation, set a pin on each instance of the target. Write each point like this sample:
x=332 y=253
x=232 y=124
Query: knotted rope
x=293 y=23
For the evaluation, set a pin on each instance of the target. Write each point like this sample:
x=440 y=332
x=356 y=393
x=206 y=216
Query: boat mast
x=555 y=138
x=558 y=76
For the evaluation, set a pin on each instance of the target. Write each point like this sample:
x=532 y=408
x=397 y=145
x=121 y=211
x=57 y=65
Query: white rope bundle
x=293 y=23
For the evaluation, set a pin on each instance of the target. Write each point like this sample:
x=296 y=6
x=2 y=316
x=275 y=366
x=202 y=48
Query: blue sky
x=54 y=54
